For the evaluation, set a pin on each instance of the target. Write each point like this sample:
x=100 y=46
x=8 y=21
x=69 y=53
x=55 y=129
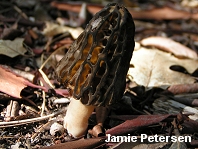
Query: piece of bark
x=12 y=110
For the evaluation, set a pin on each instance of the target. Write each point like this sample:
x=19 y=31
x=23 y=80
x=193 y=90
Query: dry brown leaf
x=12 y=84
x=169 y=45
x=53 y=29
x=189 y=3
x=183 y=88
x=163 y=13
x=12 y=48
x=151 y=68
x=75 y=7
x=135 y=124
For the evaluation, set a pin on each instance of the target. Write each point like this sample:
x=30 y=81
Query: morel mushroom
x=96 y=65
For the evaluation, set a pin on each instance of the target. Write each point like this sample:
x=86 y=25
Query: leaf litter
x=161 y=80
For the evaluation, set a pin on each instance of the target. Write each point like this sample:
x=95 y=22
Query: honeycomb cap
x=96 y=64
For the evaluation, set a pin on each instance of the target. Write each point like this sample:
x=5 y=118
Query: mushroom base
x=76 y=119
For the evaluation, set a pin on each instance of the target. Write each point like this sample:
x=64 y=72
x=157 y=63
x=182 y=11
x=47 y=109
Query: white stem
x=76 y=119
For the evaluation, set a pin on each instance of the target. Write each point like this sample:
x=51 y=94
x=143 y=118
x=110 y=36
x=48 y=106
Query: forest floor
x=160 y=102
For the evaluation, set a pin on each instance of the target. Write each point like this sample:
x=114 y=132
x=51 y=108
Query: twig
x=44 y=100
x=20 y=12
x=60 y=48
x=22 y=21
x=42 y=129
x=5 y=10
x=46 y=78
x=37 y=119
